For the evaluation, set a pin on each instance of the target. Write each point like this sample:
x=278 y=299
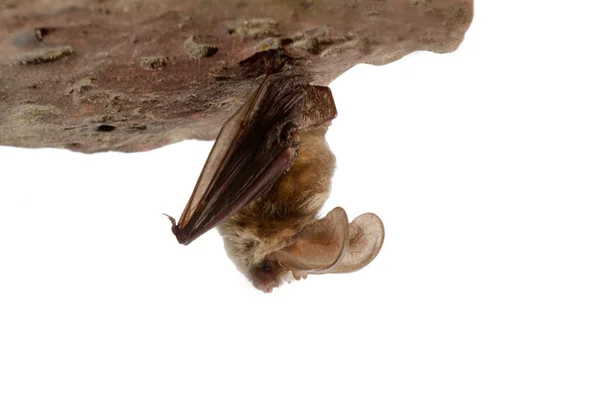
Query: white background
x=484 y=165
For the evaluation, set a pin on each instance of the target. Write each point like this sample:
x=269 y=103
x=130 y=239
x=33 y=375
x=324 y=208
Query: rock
x=131 y=75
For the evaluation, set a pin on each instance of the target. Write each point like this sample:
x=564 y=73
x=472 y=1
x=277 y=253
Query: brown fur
x=271 y=221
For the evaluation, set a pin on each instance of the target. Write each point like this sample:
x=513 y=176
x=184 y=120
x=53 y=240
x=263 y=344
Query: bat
x=264 y=183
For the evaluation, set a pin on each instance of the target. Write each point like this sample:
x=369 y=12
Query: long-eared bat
x=265 y=181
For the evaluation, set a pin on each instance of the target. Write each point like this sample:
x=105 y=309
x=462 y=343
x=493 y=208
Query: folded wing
x=253 y=149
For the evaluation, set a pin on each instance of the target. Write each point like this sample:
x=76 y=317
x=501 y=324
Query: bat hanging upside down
x=264 y=183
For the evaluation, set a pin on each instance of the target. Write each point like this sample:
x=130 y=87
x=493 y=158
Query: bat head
x=268 y=275
x=328 y=245
x=250 y=252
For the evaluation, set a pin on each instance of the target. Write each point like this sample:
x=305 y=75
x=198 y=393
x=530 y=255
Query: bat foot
x=299 y=275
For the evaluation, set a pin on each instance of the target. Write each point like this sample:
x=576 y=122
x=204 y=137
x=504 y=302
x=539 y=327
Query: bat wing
x=253 y=149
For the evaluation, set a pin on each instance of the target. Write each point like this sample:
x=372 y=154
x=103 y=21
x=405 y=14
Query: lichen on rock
x=196 y=50
x=154 y=62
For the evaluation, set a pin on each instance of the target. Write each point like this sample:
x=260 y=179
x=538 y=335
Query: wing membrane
x=253 y=149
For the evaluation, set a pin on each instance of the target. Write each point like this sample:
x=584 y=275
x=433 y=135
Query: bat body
x=271 y=222
x=264 y=184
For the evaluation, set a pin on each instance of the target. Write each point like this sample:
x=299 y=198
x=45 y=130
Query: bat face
x=264 y=184
x=267 y=275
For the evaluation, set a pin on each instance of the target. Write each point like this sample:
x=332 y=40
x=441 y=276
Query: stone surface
x=134 y=75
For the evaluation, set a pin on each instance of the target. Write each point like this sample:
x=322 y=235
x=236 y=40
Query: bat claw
x=181 y=237
x=173 y=222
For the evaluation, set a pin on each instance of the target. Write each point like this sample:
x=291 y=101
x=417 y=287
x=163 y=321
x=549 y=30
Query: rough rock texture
x=134 y=75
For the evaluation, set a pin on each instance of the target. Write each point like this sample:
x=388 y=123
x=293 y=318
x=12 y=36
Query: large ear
x=321 y=246
x=366 y=238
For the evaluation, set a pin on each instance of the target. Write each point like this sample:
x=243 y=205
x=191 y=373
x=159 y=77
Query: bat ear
x=331 y=245
x=320 y=247
x=366 y=239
